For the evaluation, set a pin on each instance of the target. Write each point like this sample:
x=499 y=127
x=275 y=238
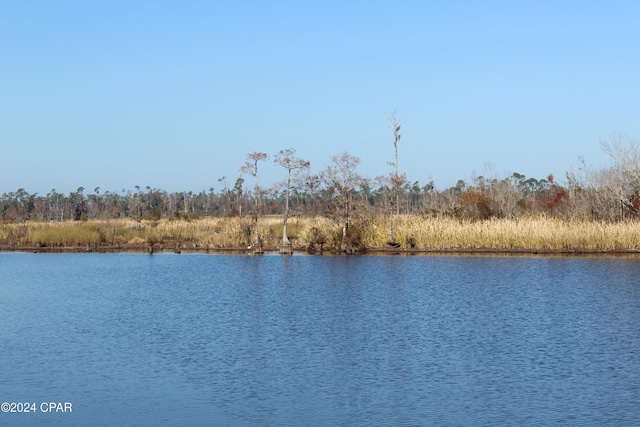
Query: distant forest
x=609 y=194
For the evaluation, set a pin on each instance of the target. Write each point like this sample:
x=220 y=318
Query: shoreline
x=327 y=252
x=412 y=235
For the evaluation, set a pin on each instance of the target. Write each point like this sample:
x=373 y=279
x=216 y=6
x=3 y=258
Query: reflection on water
x=302 y=340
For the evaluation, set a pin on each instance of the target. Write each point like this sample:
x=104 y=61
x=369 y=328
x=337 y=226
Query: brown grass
x=410 y=232
x=530 y=234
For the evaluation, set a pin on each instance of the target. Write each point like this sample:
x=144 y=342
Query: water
x=131 y=339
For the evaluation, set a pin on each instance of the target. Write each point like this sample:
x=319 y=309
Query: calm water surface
x=217 y=340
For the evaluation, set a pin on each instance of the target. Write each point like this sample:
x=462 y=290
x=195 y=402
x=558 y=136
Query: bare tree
x=251 y=167
x=615 y=191
x=395 y=126
x=624 y=153
x=341 y=179
x=396 y=181
x=294 y=166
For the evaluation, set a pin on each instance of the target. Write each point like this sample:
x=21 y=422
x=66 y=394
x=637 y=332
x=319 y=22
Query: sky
x=174 y=94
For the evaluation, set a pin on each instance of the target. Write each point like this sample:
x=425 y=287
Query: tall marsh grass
x=409 y=232
x=528 y=234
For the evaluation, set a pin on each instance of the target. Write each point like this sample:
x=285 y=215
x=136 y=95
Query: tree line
x=341 y=192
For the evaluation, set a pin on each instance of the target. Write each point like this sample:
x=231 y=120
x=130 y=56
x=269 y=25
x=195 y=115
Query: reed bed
x=527 y=234
x=522 y=234
x=410 y=232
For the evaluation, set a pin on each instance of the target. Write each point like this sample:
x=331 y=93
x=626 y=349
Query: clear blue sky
x=174 y=94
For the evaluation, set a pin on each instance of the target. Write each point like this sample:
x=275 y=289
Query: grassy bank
x=531 y=234
x=410 y=233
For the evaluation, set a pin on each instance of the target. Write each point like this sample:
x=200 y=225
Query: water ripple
x=279 y=341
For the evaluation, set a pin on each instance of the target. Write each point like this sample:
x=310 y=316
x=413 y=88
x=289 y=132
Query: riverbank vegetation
x=411 y=232
x=337 y=209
